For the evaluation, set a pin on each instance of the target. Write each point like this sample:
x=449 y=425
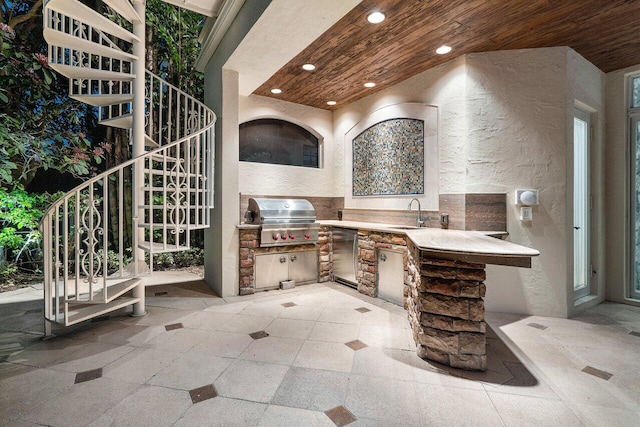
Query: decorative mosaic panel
x=388 y=159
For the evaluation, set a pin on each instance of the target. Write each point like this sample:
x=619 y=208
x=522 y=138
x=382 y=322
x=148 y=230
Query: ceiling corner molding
x=215 y=29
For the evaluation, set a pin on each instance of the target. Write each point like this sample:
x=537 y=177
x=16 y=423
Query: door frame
x=585 y=116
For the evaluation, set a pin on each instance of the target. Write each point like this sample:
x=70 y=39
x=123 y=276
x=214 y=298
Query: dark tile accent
x=486 y=211
x=173 y=326
x=521 y=376
x=537 y=326
x=355 y=345
x=340 y=416
x=100 y=319
x=34 y=311
x=203 y=393
x=258 y=335
x=289 y=304
x=159 y=294
x=88 y=375
x=634 y=333
x=597 y=372
x=363 y=310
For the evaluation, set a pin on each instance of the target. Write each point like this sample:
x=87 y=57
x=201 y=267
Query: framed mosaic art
x=388 y=159
x=391 y=156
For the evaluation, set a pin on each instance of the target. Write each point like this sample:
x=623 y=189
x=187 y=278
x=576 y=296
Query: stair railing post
x=138 y=149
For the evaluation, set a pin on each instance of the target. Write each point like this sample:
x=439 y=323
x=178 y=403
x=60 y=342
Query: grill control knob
x=307 y=236
x=284 y=237
x=292 y=237
x=275 y=236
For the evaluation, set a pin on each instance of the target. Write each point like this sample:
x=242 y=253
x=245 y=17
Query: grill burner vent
x=284 y=221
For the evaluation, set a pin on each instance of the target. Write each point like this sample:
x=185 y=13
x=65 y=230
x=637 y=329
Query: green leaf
x=48 y=78
x=4 y=98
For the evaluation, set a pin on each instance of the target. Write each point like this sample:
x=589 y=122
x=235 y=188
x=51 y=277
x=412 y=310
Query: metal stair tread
x=103 y=100
x=58 y=38
x=113 y=292
x=86 y=312
x=123 y=122
x=157 y=248
x=188 y=190
x=124 y=9
x=83 y=13
x=74 y=72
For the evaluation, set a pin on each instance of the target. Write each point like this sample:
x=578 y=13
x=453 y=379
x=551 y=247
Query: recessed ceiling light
x=376 y=17
x=276 y=91
x=443 y=49
x=369 y=84
x=331 y=102
x=309 y=67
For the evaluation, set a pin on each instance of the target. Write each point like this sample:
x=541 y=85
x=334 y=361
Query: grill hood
x=279 y=211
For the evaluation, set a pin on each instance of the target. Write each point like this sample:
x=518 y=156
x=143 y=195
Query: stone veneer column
x=446 y=310
x=248 y=244
x=325 y=254
x=367 y=268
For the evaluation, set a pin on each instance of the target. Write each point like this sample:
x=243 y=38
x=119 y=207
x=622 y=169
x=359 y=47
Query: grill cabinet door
x=271 y=269
x=303 y=266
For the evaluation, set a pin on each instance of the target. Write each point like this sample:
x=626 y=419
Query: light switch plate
x=526 y=214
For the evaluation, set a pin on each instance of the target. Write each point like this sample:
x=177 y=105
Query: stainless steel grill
x=283 y=221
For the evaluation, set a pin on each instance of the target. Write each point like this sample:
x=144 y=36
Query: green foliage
x=174 y=45
x=40 y=126
x=20 y=214
x=191 y=257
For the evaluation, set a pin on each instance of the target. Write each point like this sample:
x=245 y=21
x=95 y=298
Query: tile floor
x=315 y=355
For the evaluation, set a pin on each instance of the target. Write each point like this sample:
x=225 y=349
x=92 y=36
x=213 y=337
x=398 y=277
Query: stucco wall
x=280 y=180
x=618 y=229
x=504 y=125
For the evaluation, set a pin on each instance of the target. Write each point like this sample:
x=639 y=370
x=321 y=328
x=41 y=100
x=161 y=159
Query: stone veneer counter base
x=444 y=289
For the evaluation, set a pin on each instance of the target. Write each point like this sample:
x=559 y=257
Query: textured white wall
x=444 y=87
x=280 y=180
x=619 y=232
x=503 y=125
x=516 y=117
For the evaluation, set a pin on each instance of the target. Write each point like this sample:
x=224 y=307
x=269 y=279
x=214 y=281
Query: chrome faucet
x=419 y=220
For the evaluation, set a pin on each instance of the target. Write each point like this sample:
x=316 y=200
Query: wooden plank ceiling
x=353 y=51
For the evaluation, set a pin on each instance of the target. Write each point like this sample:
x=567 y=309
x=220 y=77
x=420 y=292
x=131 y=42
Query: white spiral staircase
x=89 y=268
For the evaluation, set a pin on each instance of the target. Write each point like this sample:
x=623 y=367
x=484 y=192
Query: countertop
x=469 y=246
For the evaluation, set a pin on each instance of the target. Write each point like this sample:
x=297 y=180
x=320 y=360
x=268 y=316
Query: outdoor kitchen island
x=444 y=286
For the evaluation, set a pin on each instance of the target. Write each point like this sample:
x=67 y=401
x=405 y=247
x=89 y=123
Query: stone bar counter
x=445 y=286
x=445 y=282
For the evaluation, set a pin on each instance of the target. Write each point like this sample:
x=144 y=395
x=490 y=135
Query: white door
x=581 y=204
x=635 y=204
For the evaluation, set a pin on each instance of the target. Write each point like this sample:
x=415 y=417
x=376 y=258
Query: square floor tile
x=325 y=355
x=356 y=345
x=173 y=326
x=334 y=332
x=313 y=389
x=273 y=350
x=290 y=328
x=223 y=344
x=340 y=416
x=245 y=323
x=147 y=406
x=223 y=412
x=249 y=380
x=203 y=393
x=530 y=411
x=191 y=370
x=88 y=375
x=289 y=304
x=363 y=309
x=597 y=373
x=276 y=416
x=635 y=333
x=537 y=326
x=258 y=335
x=391 y=401
x=140 y=365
